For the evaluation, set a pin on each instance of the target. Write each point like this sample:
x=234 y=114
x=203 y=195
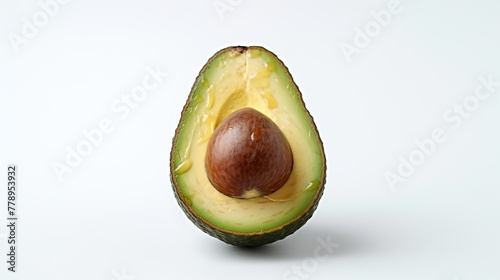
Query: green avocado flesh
x=235 y=78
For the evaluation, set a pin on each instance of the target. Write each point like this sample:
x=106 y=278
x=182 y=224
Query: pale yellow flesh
x=231 y=82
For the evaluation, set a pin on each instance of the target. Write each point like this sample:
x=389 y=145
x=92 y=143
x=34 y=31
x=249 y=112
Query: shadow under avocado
x=302 y=244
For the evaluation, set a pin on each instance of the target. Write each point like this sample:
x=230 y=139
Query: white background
x=115 y=217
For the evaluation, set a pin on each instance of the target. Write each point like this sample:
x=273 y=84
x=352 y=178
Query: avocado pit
x=248 y=156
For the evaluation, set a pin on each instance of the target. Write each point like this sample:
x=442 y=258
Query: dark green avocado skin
x=249 y=239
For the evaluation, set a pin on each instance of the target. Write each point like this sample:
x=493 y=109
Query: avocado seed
x=248 y=156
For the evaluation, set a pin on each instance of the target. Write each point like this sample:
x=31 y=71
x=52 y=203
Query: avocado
x=247 y=164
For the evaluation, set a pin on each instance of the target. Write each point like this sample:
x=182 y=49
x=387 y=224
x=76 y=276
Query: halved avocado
x=233 y=79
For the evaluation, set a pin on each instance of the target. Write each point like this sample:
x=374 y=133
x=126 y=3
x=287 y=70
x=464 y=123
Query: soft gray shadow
x=300 y=245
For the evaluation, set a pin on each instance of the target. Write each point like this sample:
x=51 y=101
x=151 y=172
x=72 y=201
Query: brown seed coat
x=248 y=155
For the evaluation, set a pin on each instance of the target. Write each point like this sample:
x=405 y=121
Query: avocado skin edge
x=252 y=239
